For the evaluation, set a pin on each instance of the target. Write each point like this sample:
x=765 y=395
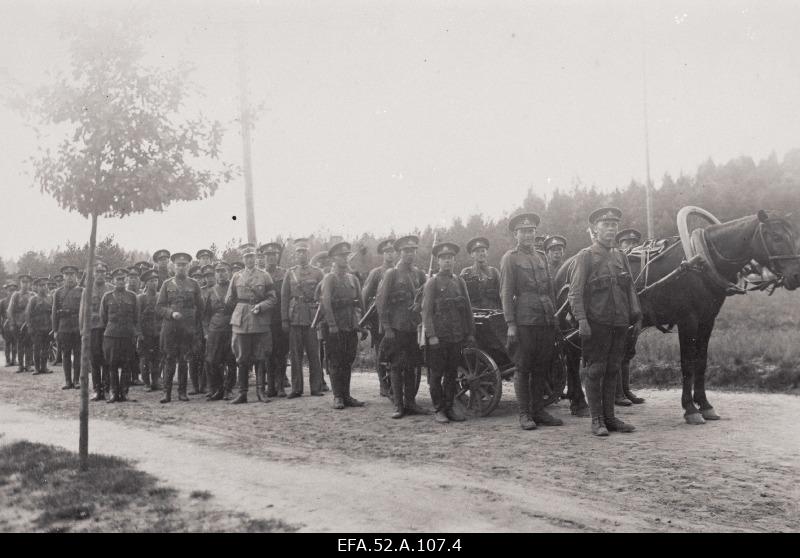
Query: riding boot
x=592 y=376
x=619 y=397
x=409 y=399
x=244 y=380
x=167 y=389
x=182 y=381
x=193 y=376
x=625 y=377
x=397 y=392
x=261 y=378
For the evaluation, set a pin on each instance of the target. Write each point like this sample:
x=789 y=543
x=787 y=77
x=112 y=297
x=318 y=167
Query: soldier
x=142 y=266
x=134 y=284
x=66 y=308
x=16 y=319
x=341 y=302
x=56 y=282
x=149 y=331
x=604 y=301
x=276 y=365
x=161 y=259
x=204 y=257
x=387 y=250
x=236 y=267
x=529 y=309
x=449 y=325
x=39 y=325
x=538 y=243
x=253 y=294
x=626 y=240
x=220 y=362
x=482 y=280
x=196 y=369
x=323 y=261
x=99 y=368
x=399 y=318
x=180 y=305
x=297 y=312
x=119 y=311
x=9 y=335
x=554 y=247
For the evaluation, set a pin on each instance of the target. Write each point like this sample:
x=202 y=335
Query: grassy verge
x=42 y=490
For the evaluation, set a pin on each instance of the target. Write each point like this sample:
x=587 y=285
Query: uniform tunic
x=525 y=288
x=297 y=295
x=120 y=314
x=249 y=289
x=179 y=295
x=483 y=285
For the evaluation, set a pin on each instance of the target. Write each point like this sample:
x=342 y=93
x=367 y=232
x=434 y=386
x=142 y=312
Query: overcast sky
x=394 y=115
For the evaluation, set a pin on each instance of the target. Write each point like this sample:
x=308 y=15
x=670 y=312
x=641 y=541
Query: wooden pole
x=648 y=187
x=246 y=128
x=86 y=351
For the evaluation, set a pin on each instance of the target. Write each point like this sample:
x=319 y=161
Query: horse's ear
x=762 y=216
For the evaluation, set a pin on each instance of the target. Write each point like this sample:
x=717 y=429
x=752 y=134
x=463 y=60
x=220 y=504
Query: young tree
x=127 y=148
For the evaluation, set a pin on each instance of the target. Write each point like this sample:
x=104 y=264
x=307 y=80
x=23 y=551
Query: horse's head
x=775 y=247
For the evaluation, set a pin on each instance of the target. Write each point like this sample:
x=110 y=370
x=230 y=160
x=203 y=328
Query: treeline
x=737 y=188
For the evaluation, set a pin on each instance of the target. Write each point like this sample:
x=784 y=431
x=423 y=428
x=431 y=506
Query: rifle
x=421 y=328
x=373 y=308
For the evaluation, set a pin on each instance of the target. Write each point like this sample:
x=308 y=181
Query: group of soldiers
x=216 y=322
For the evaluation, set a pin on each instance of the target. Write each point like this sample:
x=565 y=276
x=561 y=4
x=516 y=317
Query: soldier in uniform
x=236 y=267
x=196 y=360
x=276 y=365
x=119 y=312
x=554 y=247
x=323 y=261
x=482 y=280
x=220 y=362
x=538 y=243
x=297 y=312
x=9 y=335
x=529 y=308
x=342 y=306
x=149 y=331
x=626 y=240
x=16 y=319
x=370 y=291
x=39 y=325
x=449 y=325
x=604 y=301
x=180 y=305
x=57 y=281
x=399 y=318
x=204 y=257
x=161 y=259
x=99 y=367
x=253 y=294
x=134 y=284
x=66 y=308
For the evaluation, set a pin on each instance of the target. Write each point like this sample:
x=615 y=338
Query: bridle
x=771 y=258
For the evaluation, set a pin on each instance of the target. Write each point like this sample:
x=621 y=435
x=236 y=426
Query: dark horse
x=692 y=299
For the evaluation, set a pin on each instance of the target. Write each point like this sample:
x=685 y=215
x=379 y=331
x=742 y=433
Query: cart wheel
x=388 y=376
x=556 y=380
x=479 y=384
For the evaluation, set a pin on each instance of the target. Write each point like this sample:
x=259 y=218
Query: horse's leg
x=687 y=333
x=703 y=337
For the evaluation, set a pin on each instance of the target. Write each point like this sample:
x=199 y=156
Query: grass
x=755 y=345
x=42 y=490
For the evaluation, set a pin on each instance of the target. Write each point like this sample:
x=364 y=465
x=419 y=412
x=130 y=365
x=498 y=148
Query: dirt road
x=358 y=470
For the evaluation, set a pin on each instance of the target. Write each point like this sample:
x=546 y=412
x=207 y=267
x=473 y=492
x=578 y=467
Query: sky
x=384 y=116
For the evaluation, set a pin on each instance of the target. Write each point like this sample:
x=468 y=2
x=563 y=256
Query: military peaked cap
x=628 y=234
x=182 y=256
x=476 y=243
x=119 y=272
x=248 y=252
x=339 y=249
x=410 y=241
x=554 y=240
x=237 y=266
x=40 y=281
x=143 y=264
x=160 y=254
x=204 y=252
x=149 y=274
x=194 y=271
x=68 y=269
x=445 y=248
x=523 y=221
x=222 y=265
x=384 y=245
x=319 y=256
x=271 y=248
x=11 y=284
x=605 y=214
x=539 y=240
x=57 y=277
x=301 y=244
x=247 y=246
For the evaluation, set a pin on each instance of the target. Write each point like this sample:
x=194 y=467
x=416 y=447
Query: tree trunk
x=86 y=351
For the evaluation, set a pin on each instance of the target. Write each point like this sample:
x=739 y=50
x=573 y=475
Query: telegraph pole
x=246 y=128
x=648 y=187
